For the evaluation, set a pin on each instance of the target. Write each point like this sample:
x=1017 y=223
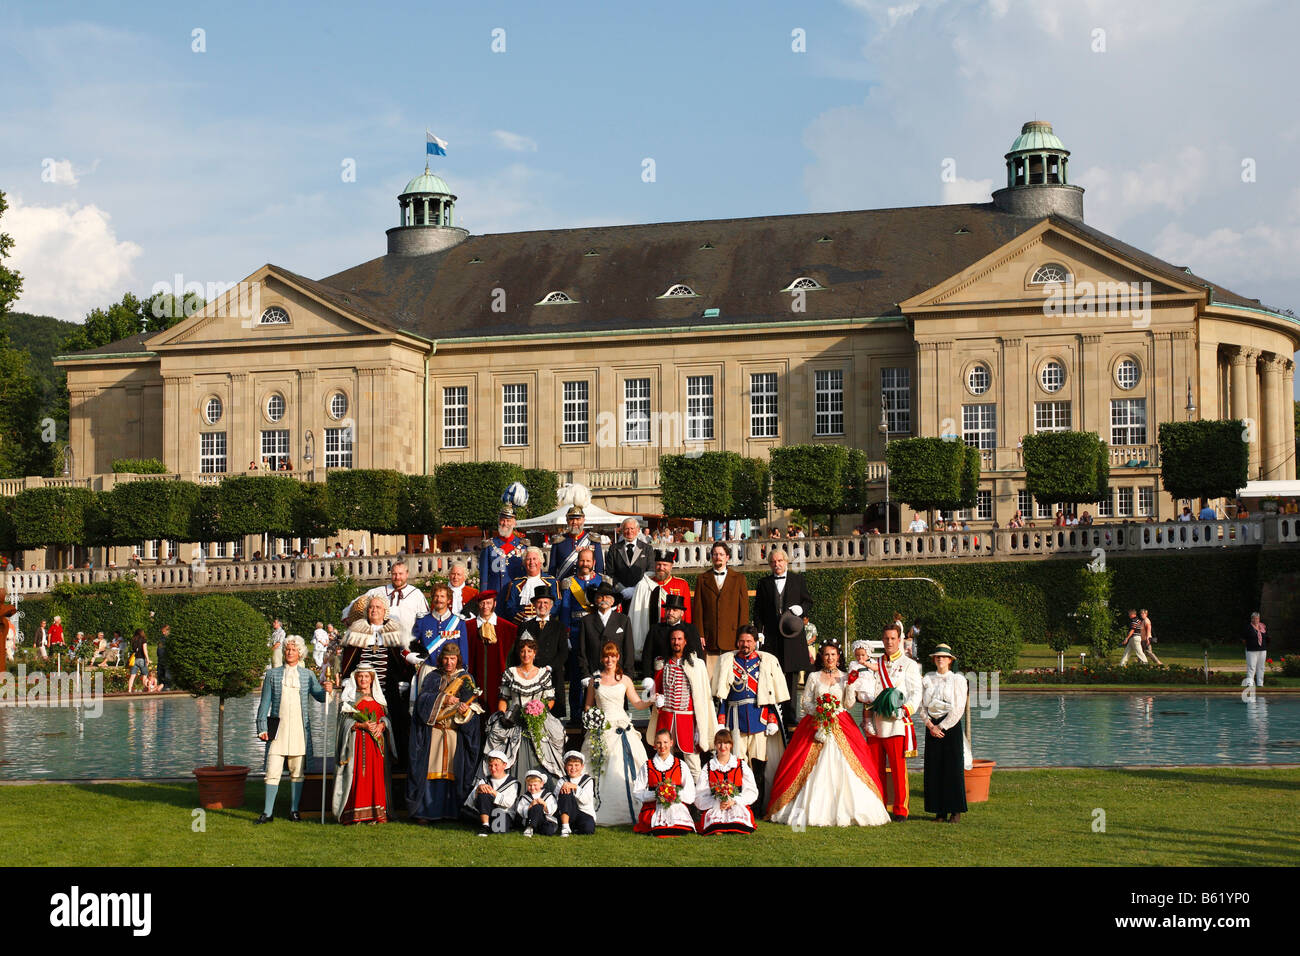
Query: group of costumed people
x=465 y=700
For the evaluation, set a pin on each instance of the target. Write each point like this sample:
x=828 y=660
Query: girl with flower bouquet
x=826 y=777
x=666 y=791
x=725 y=790
x=523 y=726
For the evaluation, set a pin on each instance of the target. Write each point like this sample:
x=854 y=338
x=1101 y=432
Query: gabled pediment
x=1020 y=274
x=271 y=306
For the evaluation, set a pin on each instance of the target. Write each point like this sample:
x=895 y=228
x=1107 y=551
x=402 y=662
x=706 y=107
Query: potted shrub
x=218 y=649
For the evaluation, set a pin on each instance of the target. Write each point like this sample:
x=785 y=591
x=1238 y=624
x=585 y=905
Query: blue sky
x=166 y=160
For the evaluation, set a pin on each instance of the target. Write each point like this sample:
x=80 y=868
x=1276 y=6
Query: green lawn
x=1183 y=817
x=1222 y=656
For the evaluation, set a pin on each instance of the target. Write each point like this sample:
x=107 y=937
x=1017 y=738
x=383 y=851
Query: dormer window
x=274 y=316
x=677 y=291
x=1051 y=272
x=802 y=284
x=555 y=298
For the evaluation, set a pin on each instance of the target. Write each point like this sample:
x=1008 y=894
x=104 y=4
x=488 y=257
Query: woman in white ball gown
x=826 y=777
x=623 y=753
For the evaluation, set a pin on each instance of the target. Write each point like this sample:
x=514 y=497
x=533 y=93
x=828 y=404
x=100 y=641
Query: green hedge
x=50 y=516
x=469 y=492
x=312 y=516
x=812 y=479
x=151 y=509
x=109 y=606
x=543 y=491
x=366 y=499
x=1135 y=673
x=1206 y=459
x=417 y=511
x=8 y=533
x=984 y=634
x=751 y=487
x=256 y=504
x=139 y=466
x=713 y=484
x=1066 y=466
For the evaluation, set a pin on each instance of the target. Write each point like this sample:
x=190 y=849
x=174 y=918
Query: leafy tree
x=1092 y=617
x=469 y=492
x=151 y=509
x=1203 y=459
x=543 y=489
x=714 y=484
x=366 y=499
x=311 y=512
x=11 y=282
x=929 y=473
x=51 y=516
x=1066 y=466
x=814 y=479
x=131 y=316
x=255 y=504
x=418 y=508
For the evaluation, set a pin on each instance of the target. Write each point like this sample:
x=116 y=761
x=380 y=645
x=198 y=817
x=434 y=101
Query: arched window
x=678 y=290
x=274 y=316
x=802 y=283
x=555 y=298
x=1050 y=272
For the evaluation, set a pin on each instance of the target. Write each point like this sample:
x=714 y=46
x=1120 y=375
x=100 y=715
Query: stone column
x=1252 y=411
x=1288 y=420
x=1271 y=408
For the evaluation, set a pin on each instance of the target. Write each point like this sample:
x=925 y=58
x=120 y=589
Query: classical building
x=592 y=351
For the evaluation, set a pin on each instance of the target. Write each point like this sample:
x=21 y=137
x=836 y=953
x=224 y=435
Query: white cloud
x=967 y=191
x=1231 y=256
x=69 y=256
x=514 y=142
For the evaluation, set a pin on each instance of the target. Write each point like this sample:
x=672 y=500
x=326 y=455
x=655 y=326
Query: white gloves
x=796 y=609
x=647 y=687
x=660 y=700
x=772 y=729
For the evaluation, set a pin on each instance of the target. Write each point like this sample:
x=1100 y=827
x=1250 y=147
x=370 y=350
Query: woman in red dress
x=361 y=785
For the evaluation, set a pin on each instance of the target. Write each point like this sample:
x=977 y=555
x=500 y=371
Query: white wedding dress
x=624 y=756
x=833 y=793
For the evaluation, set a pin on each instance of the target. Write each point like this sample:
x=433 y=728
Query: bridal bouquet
x=595 y=724
x=826 y=713
x=667 y=793
x=535 y=720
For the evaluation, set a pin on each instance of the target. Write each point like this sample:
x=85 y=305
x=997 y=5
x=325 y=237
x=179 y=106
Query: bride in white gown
x=623 y=753
x=826 y=776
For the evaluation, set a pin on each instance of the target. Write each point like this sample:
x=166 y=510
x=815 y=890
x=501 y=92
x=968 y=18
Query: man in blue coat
x=502 y=560
x=564 y=553
x=284 y=721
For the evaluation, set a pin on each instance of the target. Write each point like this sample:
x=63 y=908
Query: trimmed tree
x=418 y=509
x=543 y=491
x=366 y=499
x=810 y=478
x=751 y=487
x=51 y=516
x=1204 y=459
x=697 y=486
x=311 y=512
x=929 y=473
x=984 y=634
x=150 y=509
x=256 y=504
x=205 y=516
x=1066 y=466
x=139 y=466
x=218 y=649
x=469 y=492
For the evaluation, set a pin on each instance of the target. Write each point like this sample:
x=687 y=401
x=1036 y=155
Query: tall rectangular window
x=576 y=406
x=828 y=402
x=455 y=417
x=636 y=409
x=338 y=447
x=762 y=405
x=1106 y=507
x=984 y=506
x=1128 y=421
x=699 y=408
x=1051 y=416
x=979 y=426
x=1146 y=501
x=514 y=414
x=896 y=397
x=275 y=448
x=1124 y=506
x=212 y=452
x=1025 y=504
x=1046 y=509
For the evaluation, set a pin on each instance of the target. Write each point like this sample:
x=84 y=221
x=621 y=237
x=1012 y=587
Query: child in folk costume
x=575 y=797
x=535 y=808
x=725 y=791
x=493 y=795
x=666 y=790
x=361 y=785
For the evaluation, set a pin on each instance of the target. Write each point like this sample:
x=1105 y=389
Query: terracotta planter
x=221 y=789
x=977 y=780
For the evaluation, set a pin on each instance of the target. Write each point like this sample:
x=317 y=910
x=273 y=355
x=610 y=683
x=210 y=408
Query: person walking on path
x=1148 y=639
x=1256 y=650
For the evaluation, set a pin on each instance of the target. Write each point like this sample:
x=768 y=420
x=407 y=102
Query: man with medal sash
x=502 y=559
x=564 y=553
x=577 y=600
x=431 y=632
x=750 y=688
x=519 y=592
x=891 y=688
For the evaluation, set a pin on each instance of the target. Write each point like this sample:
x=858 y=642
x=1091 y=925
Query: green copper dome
x=1037 y=136
x=427 y=182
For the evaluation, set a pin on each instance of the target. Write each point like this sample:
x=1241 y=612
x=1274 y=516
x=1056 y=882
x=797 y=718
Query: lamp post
x=883 y=428
x=1191 y=405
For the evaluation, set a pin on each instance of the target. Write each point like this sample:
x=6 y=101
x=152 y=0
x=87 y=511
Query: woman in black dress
x=943 y=704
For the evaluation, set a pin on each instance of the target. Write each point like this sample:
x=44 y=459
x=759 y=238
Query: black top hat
x=791 y=625
x=543 y=592
x=665 y=555
x=674 y=601
x=603 y=588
